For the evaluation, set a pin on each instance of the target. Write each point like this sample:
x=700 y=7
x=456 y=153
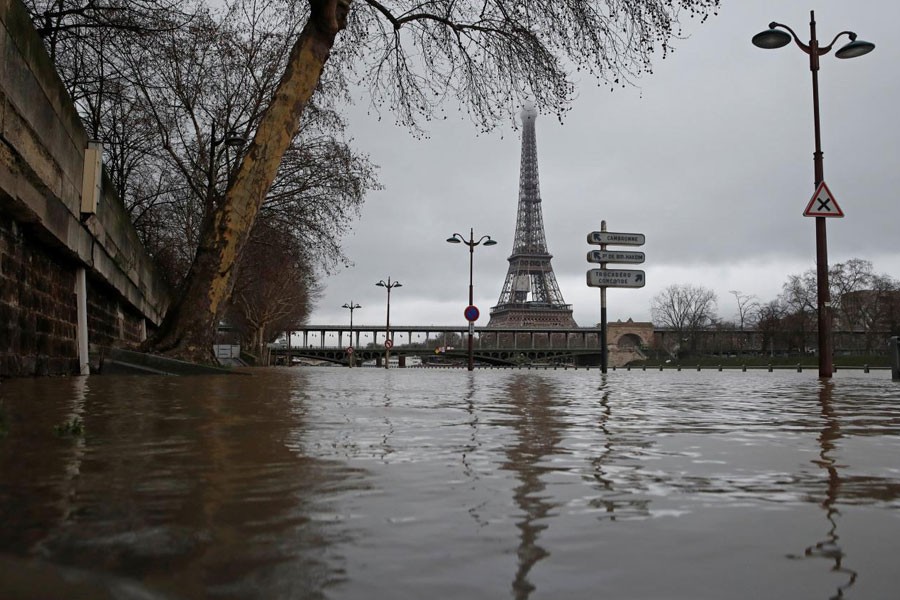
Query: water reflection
x=374 y=483
x=193 y=490
x=829 y=548
x=538 y=425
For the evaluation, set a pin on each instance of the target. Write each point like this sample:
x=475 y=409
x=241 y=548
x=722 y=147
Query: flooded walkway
x=373 y=483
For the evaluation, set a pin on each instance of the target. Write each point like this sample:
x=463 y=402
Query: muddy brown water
x=373 y=483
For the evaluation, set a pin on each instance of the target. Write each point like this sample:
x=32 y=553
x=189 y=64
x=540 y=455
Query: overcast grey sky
x=710 y=157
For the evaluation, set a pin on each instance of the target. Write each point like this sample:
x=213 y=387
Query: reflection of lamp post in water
x=471 y=243
x=352 y=306
x=387 y=329
x=775 y=38
x=829 y=547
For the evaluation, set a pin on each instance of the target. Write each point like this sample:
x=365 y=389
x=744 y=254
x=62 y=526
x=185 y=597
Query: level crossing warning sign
x=823 y=204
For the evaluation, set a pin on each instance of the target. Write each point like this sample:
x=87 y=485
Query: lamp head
x=381 y=284
x=453 y=240
x=771 y=38
x=234 y=140
x=490 y=242
x=398 y=284
x=854 y=48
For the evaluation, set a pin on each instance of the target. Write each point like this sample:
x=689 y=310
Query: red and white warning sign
x=823 y=204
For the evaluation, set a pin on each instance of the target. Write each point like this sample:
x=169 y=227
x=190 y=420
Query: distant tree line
x=865 y=311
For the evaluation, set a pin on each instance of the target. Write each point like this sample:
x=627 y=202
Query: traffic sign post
x=604 y=277
x=388 y=344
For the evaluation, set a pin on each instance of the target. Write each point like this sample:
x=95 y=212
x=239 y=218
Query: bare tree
x=412 y=56
x=770 y=323
x=748 y=305
x=798 y=296
x=686 y=309
x=844 y=279
x=275 y=289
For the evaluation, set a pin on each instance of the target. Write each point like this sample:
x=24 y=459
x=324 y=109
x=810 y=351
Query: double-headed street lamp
x=388 y=342
x=352 y=306
x=471 y=243
x=773 y=38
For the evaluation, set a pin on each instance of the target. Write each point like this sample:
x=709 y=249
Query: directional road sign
x=615 y=256
x=610 y=237
x=626 y=278
x=823 y=204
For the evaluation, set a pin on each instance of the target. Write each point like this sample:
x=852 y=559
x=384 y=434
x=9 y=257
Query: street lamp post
x=471 y=243
x=773 y=38
x=231 y=139
x=352 y=306
x=387 y=330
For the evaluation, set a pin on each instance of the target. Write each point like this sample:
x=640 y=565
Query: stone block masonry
x=37 y=309
x=46 y=242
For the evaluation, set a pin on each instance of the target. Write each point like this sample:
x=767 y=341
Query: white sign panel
x=615 y=256
x=610 y=237
x=626 y=278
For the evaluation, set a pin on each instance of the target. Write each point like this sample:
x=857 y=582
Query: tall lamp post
x=773 y=38
x=471 y=243
x=387 y=329
x=352 y=306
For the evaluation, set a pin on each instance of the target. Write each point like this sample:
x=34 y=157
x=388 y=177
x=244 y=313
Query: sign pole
x=605 y=277
x=604 y=358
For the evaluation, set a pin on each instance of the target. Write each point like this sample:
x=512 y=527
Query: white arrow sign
x=615 y=278
x=615 y=256
x=610 y=237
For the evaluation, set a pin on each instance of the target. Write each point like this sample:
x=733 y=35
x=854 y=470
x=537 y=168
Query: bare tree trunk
x=189 y=328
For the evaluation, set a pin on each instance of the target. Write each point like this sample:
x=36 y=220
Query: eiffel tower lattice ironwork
x=530 y=296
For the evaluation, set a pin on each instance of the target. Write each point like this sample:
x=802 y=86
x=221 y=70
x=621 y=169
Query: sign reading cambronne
x=619 y=239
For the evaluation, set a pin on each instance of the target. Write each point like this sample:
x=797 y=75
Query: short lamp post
x=387 y=330
x=471 y=243
x=352 y=306
x=777 y=36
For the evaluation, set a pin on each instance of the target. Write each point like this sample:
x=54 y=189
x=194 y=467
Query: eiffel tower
x=530 y=296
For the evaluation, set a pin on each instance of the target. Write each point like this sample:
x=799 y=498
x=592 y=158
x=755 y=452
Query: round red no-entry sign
x=388 y=344
x=471 y=313
x=349 y=349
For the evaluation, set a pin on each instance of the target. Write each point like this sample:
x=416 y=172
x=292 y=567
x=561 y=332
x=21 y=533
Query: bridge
x=448 y=344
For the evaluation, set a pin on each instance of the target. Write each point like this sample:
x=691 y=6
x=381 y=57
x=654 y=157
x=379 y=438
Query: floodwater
x=373 y=483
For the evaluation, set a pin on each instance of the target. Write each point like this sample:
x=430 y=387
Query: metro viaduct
x=497 y=346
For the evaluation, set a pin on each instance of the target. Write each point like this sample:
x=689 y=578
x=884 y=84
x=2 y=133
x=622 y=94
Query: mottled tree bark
x=188 y=331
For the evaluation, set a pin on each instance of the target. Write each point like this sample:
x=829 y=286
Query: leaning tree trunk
x=189 y=328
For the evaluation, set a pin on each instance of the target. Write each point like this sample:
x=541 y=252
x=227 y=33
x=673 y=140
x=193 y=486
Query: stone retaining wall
x=45 y=239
